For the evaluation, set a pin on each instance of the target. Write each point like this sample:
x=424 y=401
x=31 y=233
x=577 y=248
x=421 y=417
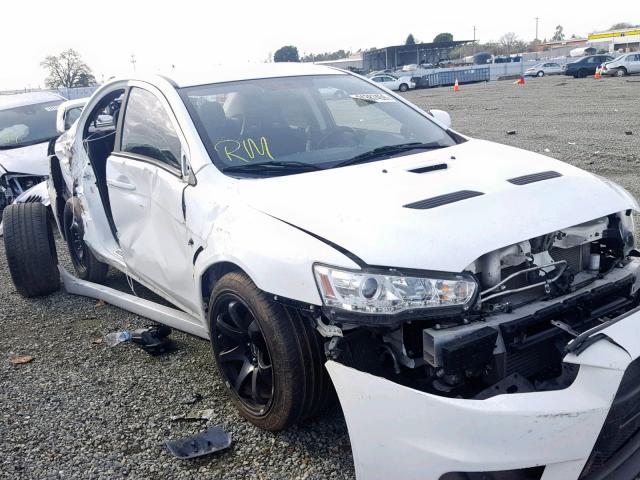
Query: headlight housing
x=387 y=293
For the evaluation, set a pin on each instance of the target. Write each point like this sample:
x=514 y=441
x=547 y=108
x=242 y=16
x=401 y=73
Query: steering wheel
x=339 y=133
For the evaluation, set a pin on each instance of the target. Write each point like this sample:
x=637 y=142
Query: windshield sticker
x=243 y=150
x=51 y=108
x=373 y=97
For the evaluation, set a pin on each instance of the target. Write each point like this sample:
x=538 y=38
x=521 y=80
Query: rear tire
x=86 y=265
x=30 y=249
x=621 y=72
x=582 y=74
x=404 y=87
x=276 y=345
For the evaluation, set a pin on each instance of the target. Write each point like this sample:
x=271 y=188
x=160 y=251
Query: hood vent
x=534 y=177
x=443 y=199
x=430 y=168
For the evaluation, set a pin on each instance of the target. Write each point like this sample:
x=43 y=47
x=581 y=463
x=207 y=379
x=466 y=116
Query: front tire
x=30 y=249
x=621 y=72
x=540 y=73
x=86 y=265
x=404 y=87
x=269 y=356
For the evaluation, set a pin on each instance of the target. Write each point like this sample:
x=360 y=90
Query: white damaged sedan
x=473 y=304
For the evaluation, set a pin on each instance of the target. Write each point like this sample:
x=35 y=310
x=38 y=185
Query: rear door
x=634 y=63
x=145 y=189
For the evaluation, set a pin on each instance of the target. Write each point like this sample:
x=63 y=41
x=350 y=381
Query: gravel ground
x=82 y=410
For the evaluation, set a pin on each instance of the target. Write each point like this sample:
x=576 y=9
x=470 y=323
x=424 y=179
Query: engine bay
x=534 y=297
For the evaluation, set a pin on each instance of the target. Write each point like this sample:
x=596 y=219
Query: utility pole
x=537 y=19
x=474 y=39
x=133 y=61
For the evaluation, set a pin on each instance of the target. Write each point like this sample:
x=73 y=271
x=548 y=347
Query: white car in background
x=474 y=305
x=27 y=125
x=542 y=69
x=626 y=64
x=390 y=82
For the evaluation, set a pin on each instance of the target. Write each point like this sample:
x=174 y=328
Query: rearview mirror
x=442 y=116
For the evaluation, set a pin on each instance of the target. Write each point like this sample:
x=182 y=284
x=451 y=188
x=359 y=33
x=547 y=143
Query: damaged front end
x=501 y=327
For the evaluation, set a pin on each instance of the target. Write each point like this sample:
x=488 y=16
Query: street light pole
x=133 y=61
x=537 y=19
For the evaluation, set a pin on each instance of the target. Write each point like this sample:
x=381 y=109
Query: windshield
x=305 y=123
x=28 y=125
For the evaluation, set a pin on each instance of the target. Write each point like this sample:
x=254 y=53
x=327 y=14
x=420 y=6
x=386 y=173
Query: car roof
x=30 y=98
x=248 y=72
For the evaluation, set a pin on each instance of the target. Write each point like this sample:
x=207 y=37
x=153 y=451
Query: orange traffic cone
x=456 y=87
x=519 y=81
x=597 y=74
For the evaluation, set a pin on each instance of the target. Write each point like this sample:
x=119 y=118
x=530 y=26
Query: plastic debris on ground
x=194 y=415
x=511 y=132
x=193 y=399
x=209 y=441
x=154 y=340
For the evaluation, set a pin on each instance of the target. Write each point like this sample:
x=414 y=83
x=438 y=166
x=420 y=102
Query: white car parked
x=27 y=125
x=626 y=64
x=542 y=69
x=394 y=83
x=474 y=305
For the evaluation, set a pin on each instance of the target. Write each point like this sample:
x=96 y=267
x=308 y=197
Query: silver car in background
x=542 y=69
x=625 y=64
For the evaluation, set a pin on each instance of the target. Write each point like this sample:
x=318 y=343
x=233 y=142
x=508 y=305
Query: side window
x=147 y=129
x=377 y=79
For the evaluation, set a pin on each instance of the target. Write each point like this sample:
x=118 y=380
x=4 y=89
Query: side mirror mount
x=187 y=174
x=442 y=116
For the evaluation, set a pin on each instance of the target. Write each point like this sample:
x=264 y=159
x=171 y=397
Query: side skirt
x=146 y=308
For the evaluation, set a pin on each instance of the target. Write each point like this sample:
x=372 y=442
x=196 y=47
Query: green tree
x=288 y=53
x=410 y=40
x=67 y=70
x=558 y=36
x=443 y=37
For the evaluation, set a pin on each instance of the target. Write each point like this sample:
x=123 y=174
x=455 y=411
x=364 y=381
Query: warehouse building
x=397 y=56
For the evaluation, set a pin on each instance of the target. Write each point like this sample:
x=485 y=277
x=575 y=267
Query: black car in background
x=585 y=66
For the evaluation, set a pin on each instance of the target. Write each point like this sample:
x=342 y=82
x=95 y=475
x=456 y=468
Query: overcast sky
x=191 y=34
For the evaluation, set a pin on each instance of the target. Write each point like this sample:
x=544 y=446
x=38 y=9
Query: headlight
x=627 y=229
x=375 y=293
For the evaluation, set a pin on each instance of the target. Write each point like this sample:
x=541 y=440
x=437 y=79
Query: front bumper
x=401 y=433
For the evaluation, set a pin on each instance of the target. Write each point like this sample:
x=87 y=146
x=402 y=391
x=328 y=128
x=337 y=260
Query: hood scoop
x=440 y=200
x=429 y=168
x=534 y=177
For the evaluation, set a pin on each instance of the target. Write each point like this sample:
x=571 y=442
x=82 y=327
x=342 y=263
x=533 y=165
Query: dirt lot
x=82 y=410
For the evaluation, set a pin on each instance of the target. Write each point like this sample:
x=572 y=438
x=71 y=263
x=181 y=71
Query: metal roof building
x=399 y=55
x=626 y=39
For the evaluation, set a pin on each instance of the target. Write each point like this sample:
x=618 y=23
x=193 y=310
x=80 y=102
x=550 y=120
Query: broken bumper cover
x=401 y=433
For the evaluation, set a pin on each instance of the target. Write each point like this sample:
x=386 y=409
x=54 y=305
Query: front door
x=145 y=191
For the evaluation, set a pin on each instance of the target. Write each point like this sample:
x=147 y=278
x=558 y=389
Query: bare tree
x=621 y=26
x=509 y=41
x=67 y=70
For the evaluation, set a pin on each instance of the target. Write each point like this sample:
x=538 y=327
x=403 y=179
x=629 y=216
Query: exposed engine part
x=501 y=289
x=13 y=185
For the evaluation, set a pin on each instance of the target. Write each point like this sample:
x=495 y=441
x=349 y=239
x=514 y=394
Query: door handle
x=122 y=185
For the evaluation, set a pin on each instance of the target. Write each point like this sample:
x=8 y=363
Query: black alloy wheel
x=242 y=353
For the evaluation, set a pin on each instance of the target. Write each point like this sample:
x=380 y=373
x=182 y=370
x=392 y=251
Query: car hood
x=362 y=208
x=31 y=159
